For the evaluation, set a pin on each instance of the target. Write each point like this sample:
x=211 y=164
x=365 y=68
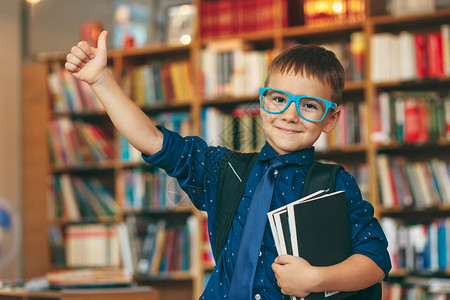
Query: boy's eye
x=279 y=99
x=310 y=104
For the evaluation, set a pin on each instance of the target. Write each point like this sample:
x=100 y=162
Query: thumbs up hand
x=87 y=63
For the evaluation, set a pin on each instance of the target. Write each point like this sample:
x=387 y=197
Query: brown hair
x=313 y=61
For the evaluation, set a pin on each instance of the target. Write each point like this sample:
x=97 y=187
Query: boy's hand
x=88 y=63
x=295 y=276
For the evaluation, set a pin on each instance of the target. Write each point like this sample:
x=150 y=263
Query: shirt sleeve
x=367 y=235
x=191 y=162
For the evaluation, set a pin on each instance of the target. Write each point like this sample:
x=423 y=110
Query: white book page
x=274 y=232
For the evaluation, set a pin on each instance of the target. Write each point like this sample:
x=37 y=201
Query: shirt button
x=257 y=296
x=275 y=172
x=260 y=253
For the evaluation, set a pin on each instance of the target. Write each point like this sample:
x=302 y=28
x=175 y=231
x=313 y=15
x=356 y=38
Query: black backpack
x=233 y=176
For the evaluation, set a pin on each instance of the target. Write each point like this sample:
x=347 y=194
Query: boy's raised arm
x=89 y=64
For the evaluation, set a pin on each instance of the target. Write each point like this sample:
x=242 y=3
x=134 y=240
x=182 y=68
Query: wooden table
x=133 y=293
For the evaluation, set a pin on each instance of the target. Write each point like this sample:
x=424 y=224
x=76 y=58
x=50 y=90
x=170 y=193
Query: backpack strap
x=320 y=176
x=233 y=176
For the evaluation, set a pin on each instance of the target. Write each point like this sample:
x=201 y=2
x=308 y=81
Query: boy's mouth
x=287 y=130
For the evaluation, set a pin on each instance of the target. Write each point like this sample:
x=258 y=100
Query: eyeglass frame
x=296 y=99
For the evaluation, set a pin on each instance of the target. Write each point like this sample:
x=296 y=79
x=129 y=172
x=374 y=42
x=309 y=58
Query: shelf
x=398 y=273
x=133 y=164
x=413 y=19
x=411 y=210
x=90 y=114
x=165 y=107
x=154 y=50
x=132 y=293
x=427 y=274
x=326 y=30
x=107 y=165
x=354 y=86
x=414 y=148
x=102 y=220
x=229 y=100
x=413 y=84
x=178 y=276
x=266 y=36
x=350 y=149
x=163 y=211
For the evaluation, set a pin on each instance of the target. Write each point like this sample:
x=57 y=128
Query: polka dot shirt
x=196 y=166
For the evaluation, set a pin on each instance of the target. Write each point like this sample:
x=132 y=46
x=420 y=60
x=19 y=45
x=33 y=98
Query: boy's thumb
x=282 y=259
x=101 y=42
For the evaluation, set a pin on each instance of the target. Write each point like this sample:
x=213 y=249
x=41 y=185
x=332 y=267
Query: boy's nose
x=291 y=114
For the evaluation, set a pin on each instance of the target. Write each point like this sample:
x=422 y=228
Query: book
x=322 y=216
x=304 y=221
x=89 y=278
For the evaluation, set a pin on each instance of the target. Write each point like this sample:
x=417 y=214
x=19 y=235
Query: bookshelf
x=224 y=98
x=137 y=293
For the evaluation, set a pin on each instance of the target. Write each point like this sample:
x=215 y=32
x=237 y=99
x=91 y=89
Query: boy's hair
x=312 y=61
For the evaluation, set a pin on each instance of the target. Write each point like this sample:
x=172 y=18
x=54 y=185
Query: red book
x=411 y=120
x=265 y=16
x=376 y=128
x=171 y=244
x=251 y=15
x=398 y=168
x=396 y=199
x=434 y=51
x=102 y=139
x=292 y=14
x=167 y=83
x=241 y=18
x=224 y=16
x=207 y=19
x=423 y=133
x=421 y=56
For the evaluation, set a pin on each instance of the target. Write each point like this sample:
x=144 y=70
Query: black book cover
x=287 y=235
x=320 y=233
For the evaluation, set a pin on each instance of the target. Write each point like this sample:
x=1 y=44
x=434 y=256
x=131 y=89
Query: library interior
x=83 y=216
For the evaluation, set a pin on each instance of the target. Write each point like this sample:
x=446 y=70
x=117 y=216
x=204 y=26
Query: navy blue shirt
x=196 y=167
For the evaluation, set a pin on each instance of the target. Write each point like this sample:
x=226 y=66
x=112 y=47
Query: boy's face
x=288 y=132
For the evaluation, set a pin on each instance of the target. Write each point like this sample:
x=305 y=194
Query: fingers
x=74 y=60
x=101 y=42
x=82 y=51
x=71 y=67
x=283 y=259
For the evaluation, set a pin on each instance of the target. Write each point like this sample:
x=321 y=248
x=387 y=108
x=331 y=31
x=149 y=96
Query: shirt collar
x=301 y=157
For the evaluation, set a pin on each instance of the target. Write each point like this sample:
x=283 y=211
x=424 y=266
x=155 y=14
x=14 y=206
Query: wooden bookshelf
x=140 y=293
x=189 y=285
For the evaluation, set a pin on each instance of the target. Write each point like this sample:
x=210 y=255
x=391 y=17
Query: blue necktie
x=241 y=285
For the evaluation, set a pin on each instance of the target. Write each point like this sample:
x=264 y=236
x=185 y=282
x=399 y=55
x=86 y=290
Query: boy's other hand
x=87 y=63
x=295 y=276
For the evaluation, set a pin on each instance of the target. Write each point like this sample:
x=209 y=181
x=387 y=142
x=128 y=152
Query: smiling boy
x=298 y=103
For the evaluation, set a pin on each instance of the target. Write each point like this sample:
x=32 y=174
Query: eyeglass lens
x=309 y=108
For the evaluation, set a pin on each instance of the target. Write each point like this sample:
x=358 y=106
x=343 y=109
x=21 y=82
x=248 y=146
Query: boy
x=291 y=130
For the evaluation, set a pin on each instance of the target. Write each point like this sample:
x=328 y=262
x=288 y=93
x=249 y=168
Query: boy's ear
x=332 y=120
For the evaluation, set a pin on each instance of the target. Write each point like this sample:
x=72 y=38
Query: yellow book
x=177 y=81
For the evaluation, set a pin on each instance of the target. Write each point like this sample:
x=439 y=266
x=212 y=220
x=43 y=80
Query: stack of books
x=316 y=228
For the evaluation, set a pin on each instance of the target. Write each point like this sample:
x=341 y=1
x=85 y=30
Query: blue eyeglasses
x=311 y=109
